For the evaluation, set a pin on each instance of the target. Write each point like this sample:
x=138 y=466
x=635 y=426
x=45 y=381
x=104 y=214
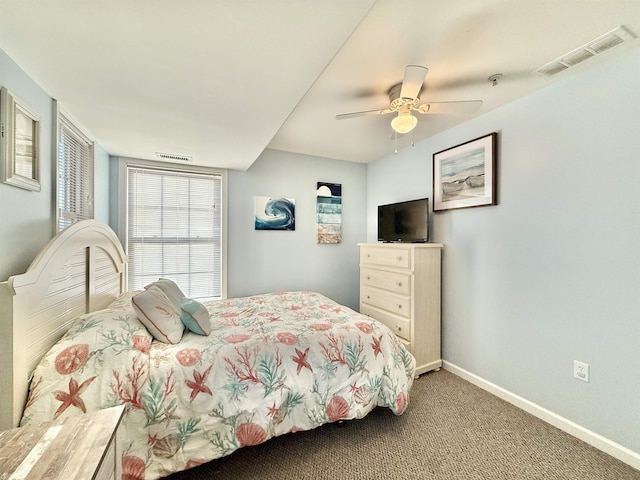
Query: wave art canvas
x=273 y=213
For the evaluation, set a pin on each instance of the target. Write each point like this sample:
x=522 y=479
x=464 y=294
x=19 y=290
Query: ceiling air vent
x=595 y=47
x=173 y=157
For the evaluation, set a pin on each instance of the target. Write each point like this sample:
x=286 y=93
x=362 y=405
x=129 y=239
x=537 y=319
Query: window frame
x=63 y=116
x=123 y=207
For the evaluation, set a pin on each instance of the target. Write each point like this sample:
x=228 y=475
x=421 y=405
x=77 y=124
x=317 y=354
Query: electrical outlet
x=581 y=370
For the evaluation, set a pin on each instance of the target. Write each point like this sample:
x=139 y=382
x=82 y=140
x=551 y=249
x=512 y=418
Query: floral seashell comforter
x=272 y=364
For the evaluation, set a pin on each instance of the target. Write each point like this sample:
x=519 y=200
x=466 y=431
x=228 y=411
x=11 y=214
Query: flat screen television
x=404 y=221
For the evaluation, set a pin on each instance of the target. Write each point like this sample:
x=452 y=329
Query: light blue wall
x=27 y=219
x=264 y=261
x=551 y=274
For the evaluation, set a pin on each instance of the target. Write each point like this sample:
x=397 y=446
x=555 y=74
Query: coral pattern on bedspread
x=272 y=364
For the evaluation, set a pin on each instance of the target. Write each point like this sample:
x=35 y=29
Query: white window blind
x=75 y=174
x=175 y=230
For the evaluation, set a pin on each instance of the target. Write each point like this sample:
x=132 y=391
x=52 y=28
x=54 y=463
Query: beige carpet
x=451 y=430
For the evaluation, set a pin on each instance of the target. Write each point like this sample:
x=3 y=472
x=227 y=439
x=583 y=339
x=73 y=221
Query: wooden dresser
x=83 y=447
x=400 y=286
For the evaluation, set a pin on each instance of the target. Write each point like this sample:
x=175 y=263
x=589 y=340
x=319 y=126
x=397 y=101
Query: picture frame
x=328 y=213
x=19 y=143
x=465 y=176
x=274 y=213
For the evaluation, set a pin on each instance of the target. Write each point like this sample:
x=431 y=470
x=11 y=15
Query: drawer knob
x=368 y=297
x=399 y=284
x=368 y=277
x=399 y=307
x=399 y=258
x=398 y=328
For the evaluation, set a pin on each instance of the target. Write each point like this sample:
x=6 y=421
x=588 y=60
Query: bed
x=270 y=364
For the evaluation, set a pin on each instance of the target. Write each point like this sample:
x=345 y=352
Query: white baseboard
x=595 y=440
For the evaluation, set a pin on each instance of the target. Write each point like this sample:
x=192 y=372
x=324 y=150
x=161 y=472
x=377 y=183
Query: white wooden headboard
x=80 y=270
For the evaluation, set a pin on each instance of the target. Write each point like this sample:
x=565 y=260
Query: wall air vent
x=595 y=47
x=173 y=157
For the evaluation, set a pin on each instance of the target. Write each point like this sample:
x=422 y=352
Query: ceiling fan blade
x=414 y=76
x=383 y=111
x=470 y=106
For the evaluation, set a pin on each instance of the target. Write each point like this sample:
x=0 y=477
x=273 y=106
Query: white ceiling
x=223 y=80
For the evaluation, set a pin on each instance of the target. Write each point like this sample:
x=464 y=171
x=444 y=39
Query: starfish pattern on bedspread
x=301 y=359
x=198 y=385
x=73 y=397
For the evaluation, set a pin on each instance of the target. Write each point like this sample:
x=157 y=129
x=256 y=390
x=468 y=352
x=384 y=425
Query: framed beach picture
x=19 y=143
x=465 y=175
x=329 y=212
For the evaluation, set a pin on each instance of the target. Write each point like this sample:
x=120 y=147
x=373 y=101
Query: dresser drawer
x=400 y=326
x=396 y=304
x=397 y=257
x=394 y=281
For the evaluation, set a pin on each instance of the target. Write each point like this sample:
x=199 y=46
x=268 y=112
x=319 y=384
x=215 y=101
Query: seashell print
x=320 y=326
x=364 y=327
x=72 y=358
x=337 y=409
x=236 y=338
x=132 y=468
x=187 y=357
x=141 y=343
x=287 y=338
x=361 y=395
x=250 y=434
x=166 y=447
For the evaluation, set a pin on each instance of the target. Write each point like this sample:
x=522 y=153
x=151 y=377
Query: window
x=174 y=229
x=75 y=174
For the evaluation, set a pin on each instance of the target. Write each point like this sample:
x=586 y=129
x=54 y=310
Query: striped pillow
x=157 y=313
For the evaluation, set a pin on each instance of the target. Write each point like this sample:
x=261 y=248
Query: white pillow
x=157 y=313
x=195 y=316
x=170 y=289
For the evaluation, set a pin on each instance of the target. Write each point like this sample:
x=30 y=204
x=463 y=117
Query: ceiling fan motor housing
x=398 y=103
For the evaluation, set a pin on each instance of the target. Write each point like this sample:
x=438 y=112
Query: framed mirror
x=19 y=143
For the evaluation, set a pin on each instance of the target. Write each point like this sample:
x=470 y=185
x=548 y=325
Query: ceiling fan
x=404 y=98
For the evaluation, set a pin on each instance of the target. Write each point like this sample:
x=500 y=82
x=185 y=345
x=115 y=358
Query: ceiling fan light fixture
x=404 y=122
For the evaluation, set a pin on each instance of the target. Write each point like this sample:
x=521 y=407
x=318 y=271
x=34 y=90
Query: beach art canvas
x=329 y=212
x=465 y=175
x=275 y=213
